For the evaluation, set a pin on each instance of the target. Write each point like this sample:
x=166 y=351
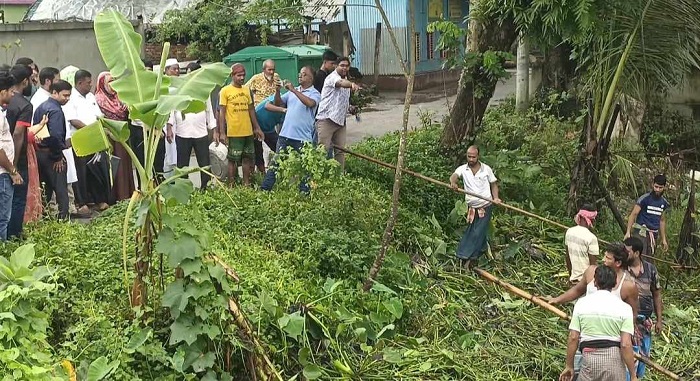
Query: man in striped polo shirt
x=647 y=220
x=604 y=325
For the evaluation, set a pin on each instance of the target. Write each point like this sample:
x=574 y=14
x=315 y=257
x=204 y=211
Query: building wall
x=428 y=11
x=154 y=50
x=13 y=13
x=686 y=98
x=362 y=18
x=55 y=44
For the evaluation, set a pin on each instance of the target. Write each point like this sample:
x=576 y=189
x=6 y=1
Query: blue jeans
x=6 y=193
x=644 y=349
x=19 y=204
x=271 y=175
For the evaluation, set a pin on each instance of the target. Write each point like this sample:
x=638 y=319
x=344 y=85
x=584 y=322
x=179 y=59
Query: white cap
x=171 y=62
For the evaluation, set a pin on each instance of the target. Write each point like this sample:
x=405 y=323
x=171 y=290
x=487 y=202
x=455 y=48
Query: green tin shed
x=288 y=59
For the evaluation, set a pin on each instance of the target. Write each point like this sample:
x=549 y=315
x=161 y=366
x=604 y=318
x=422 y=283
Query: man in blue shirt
x=268 y=121
x=647 y=220
x=299 y=107
x=49 y=154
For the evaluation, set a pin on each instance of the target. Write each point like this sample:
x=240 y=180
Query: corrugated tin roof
x=325 y=10
x=152 y=11
x=17 y=2
x=317 y=10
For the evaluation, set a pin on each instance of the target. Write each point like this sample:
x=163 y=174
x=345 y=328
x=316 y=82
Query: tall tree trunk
x=522 y=87
x=475 y=87
x=410 y=75
x=593 y=155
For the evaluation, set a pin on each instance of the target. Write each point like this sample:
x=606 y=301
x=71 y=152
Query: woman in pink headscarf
x=114 y=109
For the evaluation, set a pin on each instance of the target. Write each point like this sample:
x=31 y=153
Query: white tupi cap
x=171 y=62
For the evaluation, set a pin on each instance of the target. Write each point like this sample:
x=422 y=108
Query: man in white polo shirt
x=478 y=179
x=601 y=326
x=191 y=131
x=80 y=111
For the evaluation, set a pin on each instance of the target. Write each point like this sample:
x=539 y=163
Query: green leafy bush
x=25 y=307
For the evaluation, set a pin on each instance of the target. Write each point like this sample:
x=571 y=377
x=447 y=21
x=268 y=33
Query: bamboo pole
x=502 y=204
x=229 y=271
x=264 y=367
x=562 y=315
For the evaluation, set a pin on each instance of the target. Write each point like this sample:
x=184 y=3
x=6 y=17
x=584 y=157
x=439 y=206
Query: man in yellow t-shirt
x=237 y=120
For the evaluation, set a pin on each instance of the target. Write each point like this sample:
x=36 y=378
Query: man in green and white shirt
x=602 y=326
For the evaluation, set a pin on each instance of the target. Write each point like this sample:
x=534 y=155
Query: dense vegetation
x=301 y=260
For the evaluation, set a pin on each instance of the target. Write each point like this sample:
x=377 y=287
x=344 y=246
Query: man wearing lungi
x=647 y=220
x=601 y=327
x=478 y=179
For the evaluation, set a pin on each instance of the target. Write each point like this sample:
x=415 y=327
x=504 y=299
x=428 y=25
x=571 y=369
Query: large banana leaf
x=139 y=87
x=200 y=83
x=92 y=138
x=187 y=93
x=120 y=45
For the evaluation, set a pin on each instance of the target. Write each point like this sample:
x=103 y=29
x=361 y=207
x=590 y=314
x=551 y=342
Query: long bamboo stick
x=502 y=204
x=264 y=367
x=562 y=315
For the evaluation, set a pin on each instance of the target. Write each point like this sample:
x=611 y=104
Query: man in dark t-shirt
x=647 y=220
x=19 y=116
x=328 y=65
x=646 y=278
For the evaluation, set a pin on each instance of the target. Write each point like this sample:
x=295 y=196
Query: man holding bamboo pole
x=478 y=179
x=646 y=277
x=601 y=327
x=581 y=244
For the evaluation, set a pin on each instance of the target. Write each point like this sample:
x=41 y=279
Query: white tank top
x=591 y=288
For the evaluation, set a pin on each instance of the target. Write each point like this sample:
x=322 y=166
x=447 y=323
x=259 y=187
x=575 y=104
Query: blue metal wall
x=421 y=8
x=361 y=14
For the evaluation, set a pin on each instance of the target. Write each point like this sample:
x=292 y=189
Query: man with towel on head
x=581 y=244
x=478 y=179
x=238 y=122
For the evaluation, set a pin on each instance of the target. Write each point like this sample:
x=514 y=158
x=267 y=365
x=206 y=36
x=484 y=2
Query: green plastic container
x=288 y=59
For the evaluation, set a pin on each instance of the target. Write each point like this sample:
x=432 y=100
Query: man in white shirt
x=9 y=177
x=478 y=179
x=191 y=131
x=47 y=76
x=80 y=111
x=333 y=108
x=581 y=244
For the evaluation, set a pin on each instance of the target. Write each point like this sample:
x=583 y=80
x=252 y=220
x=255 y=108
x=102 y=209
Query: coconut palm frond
x=625 y=171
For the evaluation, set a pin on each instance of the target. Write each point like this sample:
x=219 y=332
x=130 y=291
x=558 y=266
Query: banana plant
x=151 y=97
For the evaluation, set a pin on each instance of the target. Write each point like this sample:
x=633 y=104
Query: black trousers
x=54 y=182
x=136 y=144
x=201 y=152
x=80 y=187
x=271 y=141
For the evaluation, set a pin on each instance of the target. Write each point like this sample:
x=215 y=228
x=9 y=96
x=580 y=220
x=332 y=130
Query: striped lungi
x=603 y=364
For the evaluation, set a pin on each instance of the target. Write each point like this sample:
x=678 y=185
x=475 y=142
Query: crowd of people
x=612 y=317
x=41 y=109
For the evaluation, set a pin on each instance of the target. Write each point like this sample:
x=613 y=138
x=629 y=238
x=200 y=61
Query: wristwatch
x=13 y=172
